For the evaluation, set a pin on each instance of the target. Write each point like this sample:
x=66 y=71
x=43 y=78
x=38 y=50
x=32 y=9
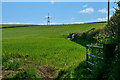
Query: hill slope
x=44 y=45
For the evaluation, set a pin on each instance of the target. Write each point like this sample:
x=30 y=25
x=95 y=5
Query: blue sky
x=60 y=12
x=58 y=0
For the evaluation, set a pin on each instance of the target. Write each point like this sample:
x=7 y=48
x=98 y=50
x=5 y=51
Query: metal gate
x=93 y=54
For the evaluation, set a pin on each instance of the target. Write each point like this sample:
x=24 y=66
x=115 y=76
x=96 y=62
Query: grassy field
x=44 y=45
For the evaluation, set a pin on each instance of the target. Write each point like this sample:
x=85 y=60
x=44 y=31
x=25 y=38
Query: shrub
x=109 y=69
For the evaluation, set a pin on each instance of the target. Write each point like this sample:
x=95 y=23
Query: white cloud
x=87 y=10
x=104 y=10
x=47 y=16
x=53 y=23
x=73 y=18
x=85 y=5
x=41 y=24
x=52 y=1
x=11 y=23
x=78 y=23
x=101 y=19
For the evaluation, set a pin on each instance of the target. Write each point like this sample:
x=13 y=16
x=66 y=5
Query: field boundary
x=12 y=27
x=92 y=56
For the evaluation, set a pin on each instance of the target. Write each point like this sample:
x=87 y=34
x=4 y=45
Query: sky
x=58 y=0
x=60 y=12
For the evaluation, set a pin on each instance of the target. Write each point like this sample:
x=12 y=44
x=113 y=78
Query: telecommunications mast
x=48 y=19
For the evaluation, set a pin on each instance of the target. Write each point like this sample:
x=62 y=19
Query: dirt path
x=46 y=72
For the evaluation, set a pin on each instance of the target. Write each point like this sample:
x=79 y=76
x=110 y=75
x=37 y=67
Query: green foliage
x=111 y=34
x=109 y=69
x=11 y=65
x=89 y=37
x=79 y=72
x=61 y=74
x=26 y=74
x=12 y=61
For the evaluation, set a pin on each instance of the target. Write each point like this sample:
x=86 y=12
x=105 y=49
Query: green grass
x=46 y=44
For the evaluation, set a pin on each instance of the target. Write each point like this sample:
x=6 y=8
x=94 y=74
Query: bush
x=109 y=69
x=79 y=72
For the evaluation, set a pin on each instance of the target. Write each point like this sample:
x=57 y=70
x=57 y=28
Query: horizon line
x=53 y=24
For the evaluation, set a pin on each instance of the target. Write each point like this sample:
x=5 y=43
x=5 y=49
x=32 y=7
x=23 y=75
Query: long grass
x=46 y=45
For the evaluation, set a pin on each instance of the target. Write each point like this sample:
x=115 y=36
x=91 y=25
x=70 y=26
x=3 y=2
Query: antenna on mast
x=48 y=19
